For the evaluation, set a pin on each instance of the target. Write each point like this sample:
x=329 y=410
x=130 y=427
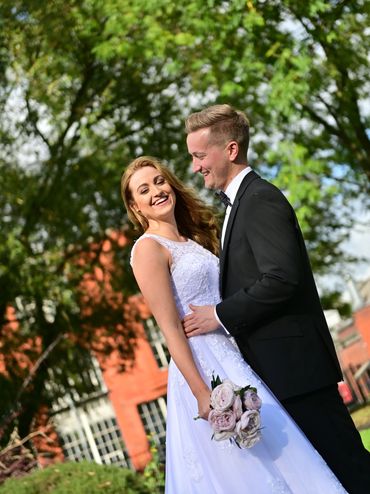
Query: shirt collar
x=233 y=187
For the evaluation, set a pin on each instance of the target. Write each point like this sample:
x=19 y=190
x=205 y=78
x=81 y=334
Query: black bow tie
x=223 y=198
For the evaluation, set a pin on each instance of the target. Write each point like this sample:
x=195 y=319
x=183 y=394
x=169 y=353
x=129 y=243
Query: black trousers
x=326 y=422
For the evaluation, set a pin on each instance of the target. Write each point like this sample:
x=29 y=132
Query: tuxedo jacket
x=270 y=302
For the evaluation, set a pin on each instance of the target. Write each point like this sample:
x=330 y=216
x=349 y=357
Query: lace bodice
x=194 y=273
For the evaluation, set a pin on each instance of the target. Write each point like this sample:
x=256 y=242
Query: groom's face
x=211 y=160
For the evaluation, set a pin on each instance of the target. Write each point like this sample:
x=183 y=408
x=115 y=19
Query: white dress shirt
x=231 y=191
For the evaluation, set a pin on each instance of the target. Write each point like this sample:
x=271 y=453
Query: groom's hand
x=201 y=320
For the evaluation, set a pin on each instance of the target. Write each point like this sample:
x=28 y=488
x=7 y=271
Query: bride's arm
x=151 y=269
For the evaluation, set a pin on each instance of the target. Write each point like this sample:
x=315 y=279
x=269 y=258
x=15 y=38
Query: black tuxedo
x=271 y=306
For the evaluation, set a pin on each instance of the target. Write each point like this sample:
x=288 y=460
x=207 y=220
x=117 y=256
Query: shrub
x=78 y=478
x=154 y=477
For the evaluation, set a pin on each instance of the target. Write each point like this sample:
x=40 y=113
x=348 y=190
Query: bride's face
x=152 y=195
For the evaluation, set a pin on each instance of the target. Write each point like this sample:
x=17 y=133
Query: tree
x=300 y=71
x=70 y=122
x=87 y=85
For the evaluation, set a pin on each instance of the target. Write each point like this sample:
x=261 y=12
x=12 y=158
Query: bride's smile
x=159 y=202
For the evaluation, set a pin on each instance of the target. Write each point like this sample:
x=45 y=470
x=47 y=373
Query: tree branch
x=33 y=121
x=17 y=408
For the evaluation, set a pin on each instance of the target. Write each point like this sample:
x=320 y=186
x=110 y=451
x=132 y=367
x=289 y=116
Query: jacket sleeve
x=270 y=227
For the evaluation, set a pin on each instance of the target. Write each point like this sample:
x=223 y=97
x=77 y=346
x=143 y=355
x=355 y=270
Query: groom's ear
x=233 y=150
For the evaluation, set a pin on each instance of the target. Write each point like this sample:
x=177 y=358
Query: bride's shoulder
x=145 y=249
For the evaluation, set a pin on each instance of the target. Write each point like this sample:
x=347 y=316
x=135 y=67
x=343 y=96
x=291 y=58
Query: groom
x=270 y=304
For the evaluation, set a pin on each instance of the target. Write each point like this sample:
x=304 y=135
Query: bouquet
x=235 y=413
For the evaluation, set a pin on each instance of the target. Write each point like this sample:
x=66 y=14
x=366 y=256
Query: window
x=83 y=415
x=157 y=342
x=87 y=383
x=90 y=432
x=153 y=415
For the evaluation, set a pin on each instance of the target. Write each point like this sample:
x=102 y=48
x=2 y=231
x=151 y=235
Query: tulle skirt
x=283 y=461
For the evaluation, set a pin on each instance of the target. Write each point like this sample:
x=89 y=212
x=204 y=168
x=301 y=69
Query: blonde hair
x=195 y=220
x=225 y=124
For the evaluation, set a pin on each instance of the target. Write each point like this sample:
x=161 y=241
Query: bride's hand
x=204 y=401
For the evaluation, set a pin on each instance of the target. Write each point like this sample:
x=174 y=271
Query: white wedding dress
x=282 y=462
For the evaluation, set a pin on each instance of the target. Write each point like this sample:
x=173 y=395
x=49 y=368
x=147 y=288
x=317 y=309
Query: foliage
x=300 y=70
x=77 y=478
x=333 y=300
x=154 y=473
x=87 y=85
x=72 y=121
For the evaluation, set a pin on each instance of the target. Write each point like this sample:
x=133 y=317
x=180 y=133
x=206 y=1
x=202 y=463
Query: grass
x=361 y=418
x=365 y=436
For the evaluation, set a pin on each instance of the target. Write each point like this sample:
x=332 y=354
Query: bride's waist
x=218 y=335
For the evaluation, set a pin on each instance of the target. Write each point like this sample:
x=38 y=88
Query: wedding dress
x=282 y=462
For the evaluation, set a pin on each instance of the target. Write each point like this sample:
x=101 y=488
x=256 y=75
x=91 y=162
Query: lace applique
x=193 y=464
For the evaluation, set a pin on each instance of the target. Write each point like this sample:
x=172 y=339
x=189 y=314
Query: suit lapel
x=248 y=179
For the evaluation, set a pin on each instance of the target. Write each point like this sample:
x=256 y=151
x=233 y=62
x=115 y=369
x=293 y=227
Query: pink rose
x=251 y=400
x=248 y=424
x=222 y=423
x=234 y=386
x=248 y=441
x=222 y=397
x=247 y=429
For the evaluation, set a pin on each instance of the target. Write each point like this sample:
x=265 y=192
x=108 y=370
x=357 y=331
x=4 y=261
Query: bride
x=175 y=264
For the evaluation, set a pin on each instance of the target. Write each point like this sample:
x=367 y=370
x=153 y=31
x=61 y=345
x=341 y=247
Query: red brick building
x=138 y=396
x=113 y=424
x=352 y=341
x=111 y=421
x=126 y=411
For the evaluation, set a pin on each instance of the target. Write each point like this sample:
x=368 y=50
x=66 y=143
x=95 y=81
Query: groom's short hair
x=225 y=124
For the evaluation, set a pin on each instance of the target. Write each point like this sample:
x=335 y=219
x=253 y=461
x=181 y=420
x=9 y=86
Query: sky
x=358 y=245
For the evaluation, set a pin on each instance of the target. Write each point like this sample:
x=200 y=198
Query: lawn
x=361 y=418
x=365 y=436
